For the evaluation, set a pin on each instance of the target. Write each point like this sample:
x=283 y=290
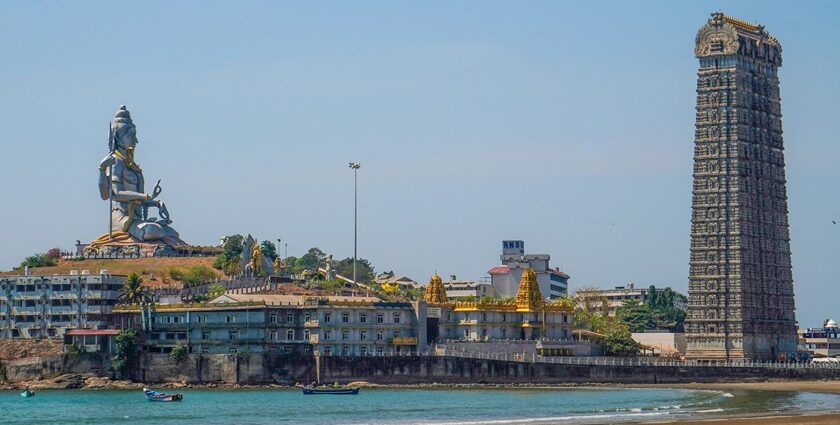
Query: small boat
x=158 y=396
x=331 y=391
x=27 y=393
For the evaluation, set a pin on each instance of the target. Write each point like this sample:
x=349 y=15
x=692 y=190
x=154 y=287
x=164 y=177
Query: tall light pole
x=355 y=166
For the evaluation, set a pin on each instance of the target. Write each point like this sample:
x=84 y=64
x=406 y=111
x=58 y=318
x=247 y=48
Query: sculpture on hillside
x=121 y=182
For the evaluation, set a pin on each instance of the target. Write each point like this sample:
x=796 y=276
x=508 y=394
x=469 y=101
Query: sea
x=403 y=406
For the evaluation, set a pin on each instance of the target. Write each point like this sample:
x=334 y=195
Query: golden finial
x=529 y=297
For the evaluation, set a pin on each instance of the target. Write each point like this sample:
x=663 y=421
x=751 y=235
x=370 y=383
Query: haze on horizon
x=567 y=125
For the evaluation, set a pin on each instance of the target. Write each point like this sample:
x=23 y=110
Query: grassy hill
x=154 y=270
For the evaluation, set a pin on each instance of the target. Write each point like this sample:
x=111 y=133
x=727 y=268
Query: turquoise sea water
x=402 y=406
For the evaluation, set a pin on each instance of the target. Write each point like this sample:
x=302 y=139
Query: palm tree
x=133 y=291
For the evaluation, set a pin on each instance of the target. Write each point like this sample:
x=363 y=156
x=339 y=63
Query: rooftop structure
x=822 y=341
x=506 y=277
x=611 y=299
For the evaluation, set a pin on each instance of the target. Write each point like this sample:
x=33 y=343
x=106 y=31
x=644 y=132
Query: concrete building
x=458 y=289
x=256 y=323
x=49 y=306
x=529 y=317
x=823 y=341
x=506 y=277
x=740 y=281
x=611 y=299
x=662 y=343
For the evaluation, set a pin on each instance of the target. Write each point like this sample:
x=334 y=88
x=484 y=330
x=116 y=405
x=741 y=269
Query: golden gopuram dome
x=435 y=293
x=529 y=297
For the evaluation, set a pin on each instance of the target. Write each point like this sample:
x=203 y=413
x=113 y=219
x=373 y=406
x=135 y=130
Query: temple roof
x=529 y=297
x=435 y=292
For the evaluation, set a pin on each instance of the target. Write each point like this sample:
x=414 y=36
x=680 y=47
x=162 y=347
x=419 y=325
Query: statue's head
x=123 y=131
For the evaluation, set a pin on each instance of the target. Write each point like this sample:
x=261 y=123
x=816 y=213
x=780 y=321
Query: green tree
x=198 y=275
x=228 y=260
x=313 y=259
x=215 y=290
x=178 y=353
x=269 y=250
x=668 y=307
x=133 y=291
x=637 y=316
x=364 y=270
x=620 y=343
x=38 y=260
x=125 y=352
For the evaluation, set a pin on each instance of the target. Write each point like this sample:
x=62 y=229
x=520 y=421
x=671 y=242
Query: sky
x=568 y=125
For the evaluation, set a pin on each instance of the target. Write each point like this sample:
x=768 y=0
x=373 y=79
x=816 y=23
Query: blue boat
x=330 y=391
x=27 y=393
x=152 y=395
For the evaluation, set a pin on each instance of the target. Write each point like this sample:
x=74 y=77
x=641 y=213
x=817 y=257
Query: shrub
x=179 y=353
x=38 y=260
x=54 y=253
x=125 y=352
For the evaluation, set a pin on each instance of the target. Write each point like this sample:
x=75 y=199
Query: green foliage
x=269 y=250
x=38 y=260
x=669 y=308
x=592 y=312
x=215 y=290
x=637 y=316
x=332 y=284
x=179 y=353
x=290 y=264
x=364 y=270
x=414 y=294
x=620 y=343
x=175 y=273
x=133 y=290
x=198 y=275
x=310 y=261
x=125 y=354
x=228 y=260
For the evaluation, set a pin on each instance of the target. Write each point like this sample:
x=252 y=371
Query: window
x=287 y=350
x=466 y=333
x=363 y=335
x=363 y=318
x=504 y=333
x=233 y=334
x=273 y=318
x=205 y=350
x=380 y=318
x=327 y=335
x=290 y=334
x=380 y=350
x=327 y=317
x=205 y=334
x=306 y=349
x=397 y=317
x=290 y=318
x=483 y=316
x=176 y=319
x=345 y=335
x=327 y=351
x=345 y=317
x=504 y=317
x=396 y=333
x=230 y=319
x=306 y=334
x=380 y=335
x=306 y=316
x=201 y=319
x=363 y=350
x=345 y=351
x=484 y=332
x=232 y=350
x=272 y=335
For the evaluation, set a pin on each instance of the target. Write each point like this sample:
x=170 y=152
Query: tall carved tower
x=740 y=282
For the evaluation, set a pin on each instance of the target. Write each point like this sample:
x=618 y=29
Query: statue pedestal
x=121 y=244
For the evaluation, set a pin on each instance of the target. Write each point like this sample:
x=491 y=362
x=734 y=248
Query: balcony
x=311 y=324
x=403 y=340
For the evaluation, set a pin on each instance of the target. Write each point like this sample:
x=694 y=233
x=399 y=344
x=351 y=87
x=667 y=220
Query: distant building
x=612 y=299
x=505 y=278
x=823 y=341
x=257 y=323
x=389 y=278
x=459 y=289
x=49 y=306
x=662 y=343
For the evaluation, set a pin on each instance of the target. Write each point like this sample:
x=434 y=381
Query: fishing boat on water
x=331 y=391
x=152 y=395
x=27 y=393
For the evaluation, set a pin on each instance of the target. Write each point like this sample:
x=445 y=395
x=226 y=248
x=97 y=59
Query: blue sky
x=568 y=125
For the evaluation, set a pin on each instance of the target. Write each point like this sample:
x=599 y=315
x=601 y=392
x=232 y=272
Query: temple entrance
x=432 y=329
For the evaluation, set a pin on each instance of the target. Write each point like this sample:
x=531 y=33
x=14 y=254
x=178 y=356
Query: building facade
x=506 y=277
x=458 y=289
x=598 y=300
x=48 y=306
x=740 y=281
x=823 y=341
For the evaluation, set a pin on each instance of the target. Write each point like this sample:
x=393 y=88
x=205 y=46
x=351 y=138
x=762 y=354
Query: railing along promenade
x=628 y=361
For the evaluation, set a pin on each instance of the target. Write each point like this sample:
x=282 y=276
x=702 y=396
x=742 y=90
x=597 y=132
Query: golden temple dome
x=435 y=292
x=529 y=297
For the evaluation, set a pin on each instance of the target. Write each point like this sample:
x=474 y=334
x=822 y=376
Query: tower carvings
x=740 y=282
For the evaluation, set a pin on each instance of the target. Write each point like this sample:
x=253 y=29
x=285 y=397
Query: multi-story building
x=48 y=306
x=505 y=278
x=529 y=317
x=354 y=326
x=458 y=289
x=611 y=299
x=740 y=282
x=823 y=341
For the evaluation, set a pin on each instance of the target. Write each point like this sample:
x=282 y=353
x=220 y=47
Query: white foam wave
x=709 y=411
x=551 y=419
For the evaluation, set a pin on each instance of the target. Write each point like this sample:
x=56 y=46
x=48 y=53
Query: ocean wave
x=551 y=419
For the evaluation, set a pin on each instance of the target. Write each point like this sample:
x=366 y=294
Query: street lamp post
x=355 y=166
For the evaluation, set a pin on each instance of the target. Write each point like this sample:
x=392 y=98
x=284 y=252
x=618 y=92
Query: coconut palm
x=133 y=290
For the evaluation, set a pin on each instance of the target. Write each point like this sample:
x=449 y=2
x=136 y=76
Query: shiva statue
x=121 y=181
